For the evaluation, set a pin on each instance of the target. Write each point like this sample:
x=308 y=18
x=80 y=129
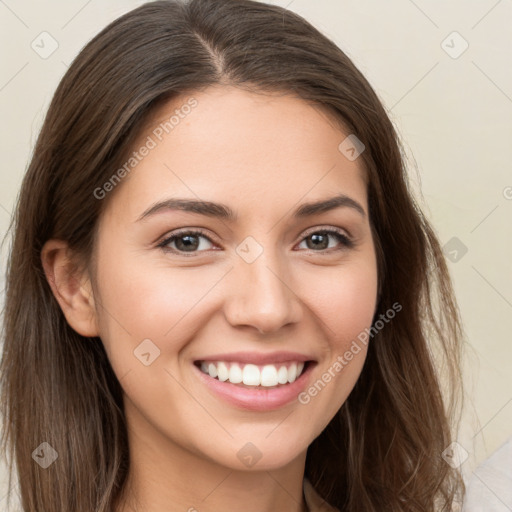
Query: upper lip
x=258 y=358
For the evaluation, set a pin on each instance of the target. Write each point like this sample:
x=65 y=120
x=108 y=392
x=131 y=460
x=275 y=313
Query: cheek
x=344 y=299
x=145 y=299
x=141 y=300
x=348 y=313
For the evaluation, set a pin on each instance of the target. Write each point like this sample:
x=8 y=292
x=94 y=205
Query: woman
x=221 y=294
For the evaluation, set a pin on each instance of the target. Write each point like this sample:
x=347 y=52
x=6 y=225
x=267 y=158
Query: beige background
x=453 y=110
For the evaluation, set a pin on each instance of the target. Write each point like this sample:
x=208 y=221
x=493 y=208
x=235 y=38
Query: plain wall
x=454 y=113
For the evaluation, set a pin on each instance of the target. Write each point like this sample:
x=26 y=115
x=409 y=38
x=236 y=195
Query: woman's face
x=275 y=285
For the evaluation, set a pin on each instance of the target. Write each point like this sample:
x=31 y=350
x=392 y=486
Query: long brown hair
x=383 y=450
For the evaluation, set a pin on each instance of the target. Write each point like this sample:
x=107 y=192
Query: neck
x=166 y=477
x=202 y=491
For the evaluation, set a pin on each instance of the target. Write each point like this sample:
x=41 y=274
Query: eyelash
x=345 y=241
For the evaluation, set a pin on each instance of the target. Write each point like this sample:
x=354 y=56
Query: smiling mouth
x=255 y=376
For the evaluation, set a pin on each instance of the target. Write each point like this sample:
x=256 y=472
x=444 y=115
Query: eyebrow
x=222 y=211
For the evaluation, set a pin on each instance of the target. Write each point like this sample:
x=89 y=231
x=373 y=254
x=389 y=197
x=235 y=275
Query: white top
x=490 y=486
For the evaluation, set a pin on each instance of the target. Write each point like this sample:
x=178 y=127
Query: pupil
x=190 y=242
x=318 y=237
x=187 y=246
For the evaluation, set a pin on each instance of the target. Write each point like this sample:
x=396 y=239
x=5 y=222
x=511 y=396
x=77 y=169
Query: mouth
x=255 y=387
x=252 y=375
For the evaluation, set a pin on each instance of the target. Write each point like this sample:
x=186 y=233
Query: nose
x=261 y=295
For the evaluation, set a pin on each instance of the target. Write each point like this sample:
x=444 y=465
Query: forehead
x=228 y=144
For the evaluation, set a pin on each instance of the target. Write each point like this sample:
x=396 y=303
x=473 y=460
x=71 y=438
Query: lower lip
x=256 y=398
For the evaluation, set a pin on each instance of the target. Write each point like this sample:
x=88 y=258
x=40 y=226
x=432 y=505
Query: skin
x=262 y=155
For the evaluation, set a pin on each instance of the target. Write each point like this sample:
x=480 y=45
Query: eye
x=189 y=241
x=185 y=241
x=319 y=240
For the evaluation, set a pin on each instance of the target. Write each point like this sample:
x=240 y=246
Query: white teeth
x=222 y=371
x=235 y=374
x=268 y=375
x=292 y=372
x=251 y=375
x=212 y=370
x=282 y=375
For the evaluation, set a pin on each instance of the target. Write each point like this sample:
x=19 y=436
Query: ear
x=73 y=291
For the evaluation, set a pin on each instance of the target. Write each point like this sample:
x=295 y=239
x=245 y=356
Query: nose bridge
x=262 y=295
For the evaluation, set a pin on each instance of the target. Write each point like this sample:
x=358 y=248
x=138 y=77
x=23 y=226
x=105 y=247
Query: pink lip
x=258 y=358
x=257 y=399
